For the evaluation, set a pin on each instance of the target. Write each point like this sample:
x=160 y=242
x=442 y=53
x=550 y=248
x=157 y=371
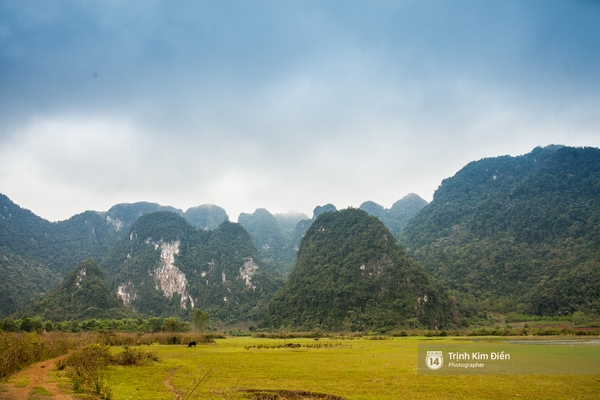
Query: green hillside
x=351 y=274
x=273 y=238
x=22 y=281
x=83 y=294
x=36 y=253
x=517 y=234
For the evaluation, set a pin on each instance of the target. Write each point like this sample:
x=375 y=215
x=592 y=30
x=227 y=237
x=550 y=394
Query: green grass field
x=354 y=369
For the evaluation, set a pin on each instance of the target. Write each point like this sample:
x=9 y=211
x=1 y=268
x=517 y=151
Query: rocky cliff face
x=248 y=271
x=166 y=267
x=168 y=278
x=126 y=292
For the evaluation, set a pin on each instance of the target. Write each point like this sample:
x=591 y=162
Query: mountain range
x=504 y=234
x=37 y=253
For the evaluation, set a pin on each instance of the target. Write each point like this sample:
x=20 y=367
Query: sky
x=283 y=105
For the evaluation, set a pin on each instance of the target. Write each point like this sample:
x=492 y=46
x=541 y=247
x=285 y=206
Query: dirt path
x=167 y=383
x=21 y=385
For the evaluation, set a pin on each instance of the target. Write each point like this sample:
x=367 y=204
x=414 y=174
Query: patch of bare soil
x=28 y=383
x=167 y=382
x=261 y=394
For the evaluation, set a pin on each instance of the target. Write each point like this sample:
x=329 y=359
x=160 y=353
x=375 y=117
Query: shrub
x=134 y=357
x=86 y=368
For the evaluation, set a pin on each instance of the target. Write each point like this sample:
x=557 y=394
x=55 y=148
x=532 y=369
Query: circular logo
x=434 y=360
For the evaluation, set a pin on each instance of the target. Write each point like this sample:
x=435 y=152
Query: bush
x=134 y=357
x=86 y=368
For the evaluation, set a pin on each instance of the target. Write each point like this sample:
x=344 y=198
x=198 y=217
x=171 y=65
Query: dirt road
x=33 y=383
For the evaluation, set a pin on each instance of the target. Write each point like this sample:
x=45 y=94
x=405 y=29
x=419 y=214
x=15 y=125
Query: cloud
x=281 y=105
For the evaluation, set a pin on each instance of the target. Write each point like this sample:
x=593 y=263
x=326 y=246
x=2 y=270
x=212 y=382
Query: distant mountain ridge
x=123 y=216
x=90 y=234
x=273 y=235
x=398 y=216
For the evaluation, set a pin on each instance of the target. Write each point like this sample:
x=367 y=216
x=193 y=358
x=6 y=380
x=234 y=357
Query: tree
x=9 y=325
x=27 y=325
x=201 y=320
x=171 y=325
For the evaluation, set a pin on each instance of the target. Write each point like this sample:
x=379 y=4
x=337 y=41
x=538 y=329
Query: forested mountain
x=62 y=245
x=166 y=267
x=303 y=225
x=206 y=216
x=396 y=217
x=517 y=233
x=22 y=281
x=57 y=245
x=273 y=236
x=507 y=234
x=36 y=253
x=82 y=294
x=351 y=274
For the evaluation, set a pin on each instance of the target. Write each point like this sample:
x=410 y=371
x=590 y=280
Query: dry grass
x=131 y=339
x=259 y=394
x=18 y=350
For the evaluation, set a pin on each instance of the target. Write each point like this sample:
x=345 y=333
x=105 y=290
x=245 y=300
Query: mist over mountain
x=288 y=221
x=398 y=216
x=123 y=216
x=206 y=216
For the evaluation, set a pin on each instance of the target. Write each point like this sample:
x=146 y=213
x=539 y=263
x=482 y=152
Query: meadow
x=350 y=368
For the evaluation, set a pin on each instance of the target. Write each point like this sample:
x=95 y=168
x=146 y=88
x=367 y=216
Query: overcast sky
x=283 y=105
